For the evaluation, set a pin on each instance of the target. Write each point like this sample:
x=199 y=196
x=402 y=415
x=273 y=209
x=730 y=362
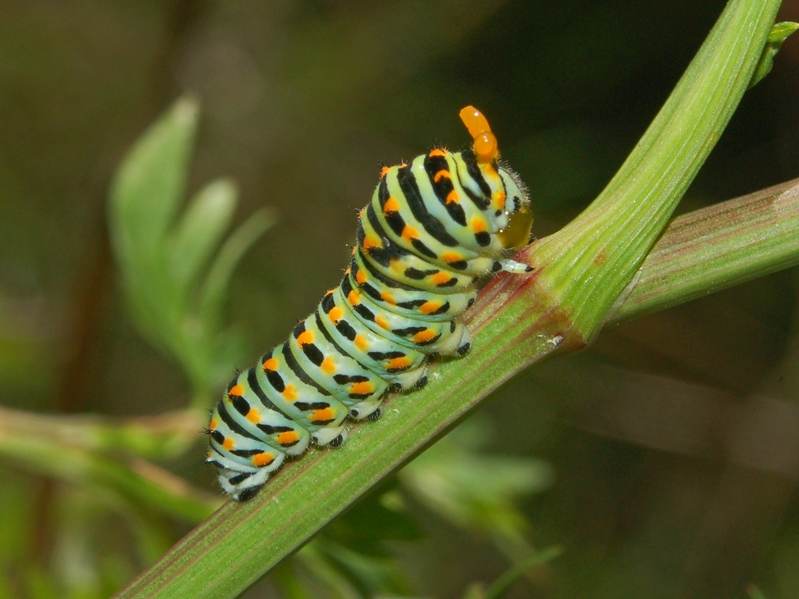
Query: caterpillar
x=433 y=229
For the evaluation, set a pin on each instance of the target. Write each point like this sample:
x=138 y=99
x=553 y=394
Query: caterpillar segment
x=349 y=381
x=300 y=398
x=404 y=300
x=434 y=228
x=396 y=364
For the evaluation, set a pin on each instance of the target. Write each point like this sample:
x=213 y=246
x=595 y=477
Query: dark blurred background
x=674 y=440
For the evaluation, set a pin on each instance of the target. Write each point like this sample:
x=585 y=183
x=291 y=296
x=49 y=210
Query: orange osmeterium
x=485 y=142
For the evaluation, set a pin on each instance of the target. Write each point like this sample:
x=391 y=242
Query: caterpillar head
x=516 y=234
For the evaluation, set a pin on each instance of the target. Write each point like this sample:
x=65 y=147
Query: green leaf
x=214 y=291
x=146 y=193
x=475 y=591
x=754 y=592
x=148 y=188
x=139 y=480
x=779 y=33
x=504 y=582
x=162 y=256
x=474 y=489
x=372 y=576
x=200 y=230
x=367 y=529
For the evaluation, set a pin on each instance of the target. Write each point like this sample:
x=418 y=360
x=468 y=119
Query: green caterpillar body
x=433 y=229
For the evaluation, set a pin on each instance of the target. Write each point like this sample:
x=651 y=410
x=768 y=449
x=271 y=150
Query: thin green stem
x=155 y=437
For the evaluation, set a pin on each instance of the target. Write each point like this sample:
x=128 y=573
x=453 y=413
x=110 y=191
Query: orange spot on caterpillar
x=262 y=459
x=452 y=197
x=361 y=388
x=442 y=174
x=361 y=277
x=429 y=307
x=270 y=364
x=212 y=426
x=328 y=365
x=361 y=343
x=387 y=297
x=437 y=152
x=440 y=278
x=254 y=416
x=290 y=393
x=288 y=438
x=391 y=205
x=335 y=314
x=395 y=264
x=228 y=443
x=305 y=338
x=399 y=363
x=409 y=233
x=384 y=171
x=323 y=415
x=382 y=322
x=450 y=257
x=236 y=391
x=499 y=200
x=370 y=243
x=354 y=298
x=423 y=336
x=479 y=224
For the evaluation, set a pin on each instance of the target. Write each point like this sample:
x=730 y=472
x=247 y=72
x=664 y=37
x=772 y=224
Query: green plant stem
x=80 y=448
x=718 y=247
x=588 y=264
x=504 y=582
x=155 y=437
x=131 y=477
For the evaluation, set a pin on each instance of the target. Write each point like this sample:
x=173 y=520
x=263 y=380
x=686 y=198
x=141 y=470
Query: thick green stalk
x=588 y=264
x=581 y=273
x=718 y=247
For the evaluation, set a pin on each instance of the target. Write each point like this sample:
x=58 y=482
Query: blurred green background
x=674 y=441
